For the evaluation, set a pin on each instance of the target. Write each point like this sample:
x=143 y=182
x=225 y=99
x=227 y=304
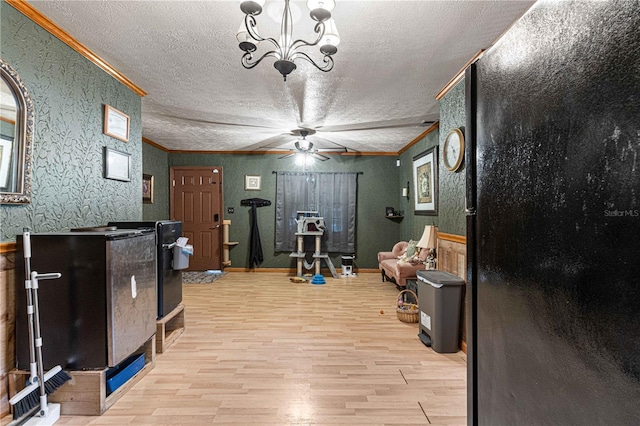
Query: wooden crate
x=86 y=393
x=169 y=328
x=7 y=327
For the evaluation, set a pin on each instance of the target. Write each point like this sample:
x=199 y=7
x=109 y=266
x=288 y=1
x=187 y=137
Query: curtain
x=332 y=195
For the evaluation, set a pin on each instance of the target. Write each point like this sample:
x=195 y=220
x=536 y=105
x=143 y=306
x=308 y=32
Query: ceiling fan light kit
x=304 y=151
x=287 y=50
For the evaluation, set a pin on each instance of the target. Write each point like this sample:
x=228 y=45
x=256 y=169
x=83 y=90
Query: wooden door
x=196 y=200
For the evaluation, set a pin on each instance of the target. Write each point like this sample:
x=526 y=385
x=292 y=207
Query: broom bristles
x=26 y=405
x=32 y=399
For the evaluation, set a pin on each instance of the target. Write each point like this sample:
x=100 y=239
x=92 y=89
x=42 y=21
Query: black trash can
x=439 y=303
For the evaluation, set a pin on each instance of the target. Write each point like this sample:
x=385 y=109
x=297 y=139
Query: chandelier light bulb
x=247 y=43
x=330 y=40
x=331 y=35
x=252 y=7
x=320 y=9
x=327 y=5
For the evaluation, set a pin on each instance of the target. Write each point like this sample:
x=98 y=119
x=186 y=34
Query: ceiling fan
x=305 y=148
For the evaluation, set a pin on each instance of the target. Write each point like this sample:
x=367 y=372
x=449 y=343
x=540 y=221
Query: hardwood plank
x=258 y=349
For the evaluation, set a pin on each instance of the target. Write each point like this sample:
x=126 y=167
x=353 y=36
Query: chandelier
x=287 y=50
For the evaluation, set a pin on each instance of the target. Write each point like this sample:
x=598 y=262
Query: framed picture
x=425 y=178
x=147 y=189
x=117 y=165
x=116 y=123
x=252 y=182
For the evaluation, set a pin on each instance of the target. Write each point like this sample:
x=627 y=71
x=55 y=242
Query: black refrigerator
x=168 y=280
x=553 y=216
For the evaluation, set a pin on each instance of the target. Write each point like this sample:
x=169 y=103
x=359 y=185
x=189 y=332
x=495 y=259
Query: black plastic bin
x=439 y=303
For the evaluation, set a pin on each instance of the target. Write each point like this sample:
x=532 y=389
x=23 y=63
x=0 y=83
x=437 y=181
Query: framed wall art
x=425 y=178
x=116 y=123
x=252 y=182
x=147 y=189
x=117 y=165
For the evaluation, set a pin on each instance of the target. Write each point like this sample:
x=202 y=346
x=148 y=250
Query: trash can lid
x=438 y=278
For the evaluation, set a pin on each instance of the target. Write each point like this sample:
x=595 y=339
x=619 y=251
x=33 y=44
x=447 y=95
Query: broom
x=41 y=384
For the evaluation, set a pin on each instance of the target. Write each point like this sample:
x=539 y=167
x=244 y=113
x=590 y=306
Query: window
x=332 y=195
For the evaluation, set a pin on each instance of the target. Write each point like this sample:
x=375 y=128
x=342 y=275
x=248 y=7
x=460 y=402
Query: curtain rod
x=282 y=171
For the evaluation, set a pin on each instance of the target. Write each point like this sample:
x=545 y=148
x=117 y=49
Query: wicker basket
x=407 y=312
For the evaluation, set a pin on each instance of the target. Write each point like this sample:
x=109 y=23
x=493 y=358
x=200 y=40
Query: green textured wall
x=413 y=225
x=155 y=162
x=452 y=185
x=7 y=129
x=68 y=94
x=451 y=218
x=377 y=187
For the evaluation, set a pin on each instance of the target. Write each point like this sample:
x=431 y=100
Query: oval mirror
x=16 y=135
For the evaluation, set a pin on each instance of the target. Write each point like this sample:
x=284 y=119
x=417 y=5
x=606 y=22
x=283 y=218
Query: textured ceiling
x=395 y=56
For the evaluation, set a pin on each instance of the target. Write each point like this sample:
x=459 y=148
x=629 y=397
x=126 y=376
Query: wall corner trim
x=459 y=76
x=430 y=129
x=153 y=144
x=36 y=16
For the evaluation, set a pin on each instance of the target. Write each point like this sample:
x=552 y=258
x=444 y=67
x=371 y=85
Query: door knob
x=217 y=226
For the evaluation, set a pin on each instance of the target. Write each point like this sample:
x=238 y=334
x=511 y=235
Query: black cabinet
x=101 y=310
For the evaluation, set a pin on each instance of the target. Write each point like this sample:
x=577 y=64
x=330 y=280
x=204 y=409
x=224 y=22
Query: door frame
x=172 y=185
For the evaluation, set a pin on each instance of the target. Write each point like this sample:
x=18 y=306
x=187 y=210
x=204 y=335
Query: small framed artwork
x=116 y=123
x=117 y=165
x=252 y=182
x=389 y=211
x=147 y=189
x=425 y=178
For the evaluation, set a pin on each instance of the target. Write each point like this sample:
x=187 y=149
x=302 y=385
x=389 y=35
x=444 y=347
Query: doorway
x=196 y=200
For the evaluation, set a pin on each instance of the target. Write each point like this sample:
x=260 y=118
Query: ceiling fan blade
x=373 y=125
x=273 y=143
x=343 y=149
x=338 y=148
x=287 y=155
x=219 y=123
x=319 y=156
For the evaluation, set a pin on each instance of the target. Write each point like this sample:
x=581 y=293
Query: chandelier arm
x=248 y=56
x=328 y=61
x=317 y=29
x=286 y=51
x=252 y=28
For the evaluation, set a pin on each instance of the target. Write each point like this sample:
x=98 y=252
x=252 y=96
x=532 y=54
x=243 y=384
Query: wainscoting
x=7 y=321
x=452 y=258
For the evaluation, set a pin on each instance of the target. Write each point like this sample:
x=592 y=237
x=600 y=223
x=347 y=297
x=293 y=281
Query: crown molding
x=459 y=76
x=430 y=129
x=155 y=145
x=36 y=16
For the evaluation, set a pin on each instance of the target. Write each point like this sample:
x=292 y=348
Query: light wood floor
x=259 y=349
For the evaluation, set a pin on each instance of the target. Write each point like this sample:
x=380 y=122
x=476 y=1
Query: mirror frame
x=23 y=137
